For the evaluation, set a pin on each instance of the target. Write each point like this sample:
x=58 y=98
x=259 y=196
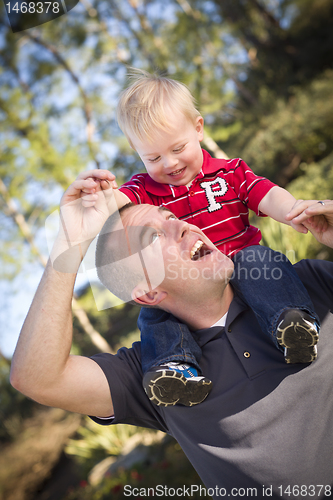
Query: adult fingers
x=299 y=207
x=97 y=174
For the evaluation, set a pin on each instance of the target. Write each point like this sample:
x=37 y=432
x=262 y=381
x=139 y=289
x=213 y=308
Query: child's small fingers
x=87 y=191
x=105 y=184
x=88 y=204
x=84 y=185
x=89 y=198
x=300 y=228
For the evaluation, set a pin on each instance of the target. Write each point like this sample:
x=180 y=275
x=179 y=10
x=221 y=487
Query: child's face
x=173 y=157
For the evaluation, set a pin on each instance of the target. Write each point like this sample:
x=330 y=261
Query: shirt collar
x=221 y=321
x=205 y=335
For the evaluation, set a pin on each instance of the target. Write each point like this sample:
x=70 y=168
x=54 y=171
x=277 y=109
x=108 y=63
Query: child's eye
x=154 y=160
x=180 y=149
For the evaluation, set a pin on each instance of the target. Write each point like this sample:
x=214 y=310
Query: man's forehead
x=140 y=215
x=131 y=232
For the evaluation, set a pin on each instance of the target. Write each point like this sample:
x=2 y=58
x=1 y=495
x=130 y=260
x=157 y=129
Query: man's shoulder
x=316 y=269
x=130 y=355
x=317 y=277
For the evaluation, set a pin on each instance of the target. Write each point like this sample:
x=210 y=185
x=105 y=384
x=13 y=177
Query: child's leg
x=170 y=360
x=165 y=339
x=268 y=283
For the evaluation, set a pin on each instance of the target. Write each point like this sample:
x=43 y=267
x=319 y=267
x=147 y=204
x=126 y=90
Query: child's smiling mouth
x=177 y=172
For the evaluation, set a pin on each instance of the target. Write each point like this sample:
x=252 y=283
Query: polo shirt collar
x=206 y=335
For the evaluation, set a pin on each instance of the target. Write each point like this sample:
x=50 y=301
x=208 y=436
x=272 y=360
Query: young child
x=159 y=118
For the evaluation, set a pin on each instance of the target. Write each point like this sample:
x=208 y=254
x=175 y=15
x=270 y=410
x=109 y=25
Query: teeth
x=177 y=171
x=196 y=247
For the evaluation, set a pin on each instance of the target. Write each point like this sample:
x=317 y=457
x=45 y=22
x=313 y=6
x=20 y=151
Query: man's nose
x=180 y=228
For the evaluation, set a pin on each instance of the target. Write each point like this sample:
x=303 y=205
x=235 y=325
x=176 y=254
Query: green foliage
x=297 y=130
x=118 y=325
x=94 y=442
x=294 y=245
x=169 y=470
x=316 y=181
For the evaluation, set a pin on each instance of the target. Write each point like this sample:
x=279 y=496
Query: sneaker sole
x=168 y=388
x=299 y=341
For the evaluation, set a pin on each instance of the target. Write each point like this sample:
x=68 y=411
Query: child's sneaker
x=174 y=383
x=298 y=332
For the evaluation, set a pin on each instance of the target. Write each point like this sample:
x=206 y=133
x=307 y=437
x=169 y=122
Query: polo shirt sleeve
x=249 y=187
x=131 y=404
x=135 y=189
x=317 y=277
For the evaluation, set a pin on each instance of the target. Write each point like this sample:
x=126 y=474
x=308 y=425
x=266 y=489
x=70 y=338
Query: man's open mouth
x=199 y=250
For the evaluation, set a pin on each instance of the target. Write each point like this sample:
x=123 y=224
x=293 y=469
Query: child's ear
x=147 y=298
x=199 y=127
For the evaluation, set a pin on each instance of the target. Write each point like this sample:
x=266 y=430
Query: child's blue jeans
x=265 y=280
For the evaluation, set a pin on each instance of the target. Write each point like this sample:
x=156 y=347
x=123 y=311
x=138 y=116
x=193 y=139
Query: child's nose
x=170 y=161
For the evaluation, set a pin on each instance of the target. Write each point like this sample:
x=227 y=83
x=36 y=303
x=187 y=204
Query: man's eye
x=155 y=237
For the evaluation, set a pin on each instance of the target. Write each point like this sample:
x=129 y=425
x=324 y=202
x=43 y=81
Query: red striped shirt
x=217 y=201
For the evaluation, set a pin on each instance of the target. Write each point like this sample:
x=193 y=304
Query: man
x=266 y=427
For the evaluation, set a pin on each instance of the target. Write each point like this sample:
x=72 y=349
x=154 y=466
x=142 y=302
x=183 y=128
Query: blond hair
x=146 y=104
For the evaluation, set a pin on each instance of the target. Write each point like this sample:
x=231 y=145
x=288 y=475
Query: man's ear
x=147 y=298
x=199 y=127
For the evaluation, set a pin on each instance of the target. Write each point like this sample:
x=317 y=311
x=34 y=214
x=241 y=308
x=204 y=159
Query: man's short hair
x=121 y=261
x=145 y=105
x=111 y=250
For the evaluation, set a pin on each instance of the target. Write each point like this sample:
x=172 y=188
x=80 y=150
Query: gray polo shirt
x=266 y=427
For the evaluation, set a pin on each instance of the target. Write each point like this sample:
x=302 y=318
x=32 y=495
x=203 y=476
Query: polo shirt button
x=191 y=193
x=246 y=354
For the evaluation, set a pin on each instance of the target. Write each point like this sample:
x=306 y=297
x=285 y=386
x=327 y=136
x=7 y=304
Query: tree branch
x=214 y=148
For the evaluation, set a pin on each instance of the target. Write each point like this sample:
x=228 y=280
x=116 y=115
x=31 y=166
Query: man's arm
x=42 y=367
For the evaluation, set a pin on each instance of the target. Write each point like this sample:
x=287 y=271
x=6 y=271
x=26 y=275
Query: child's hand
x=84 y=206
x=115 y=198
x=302 y=221
x=89 y=196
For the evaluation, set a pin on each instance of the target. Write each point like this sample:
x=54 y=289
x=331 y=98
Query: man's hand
x=84 y=208
x=316 y=216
